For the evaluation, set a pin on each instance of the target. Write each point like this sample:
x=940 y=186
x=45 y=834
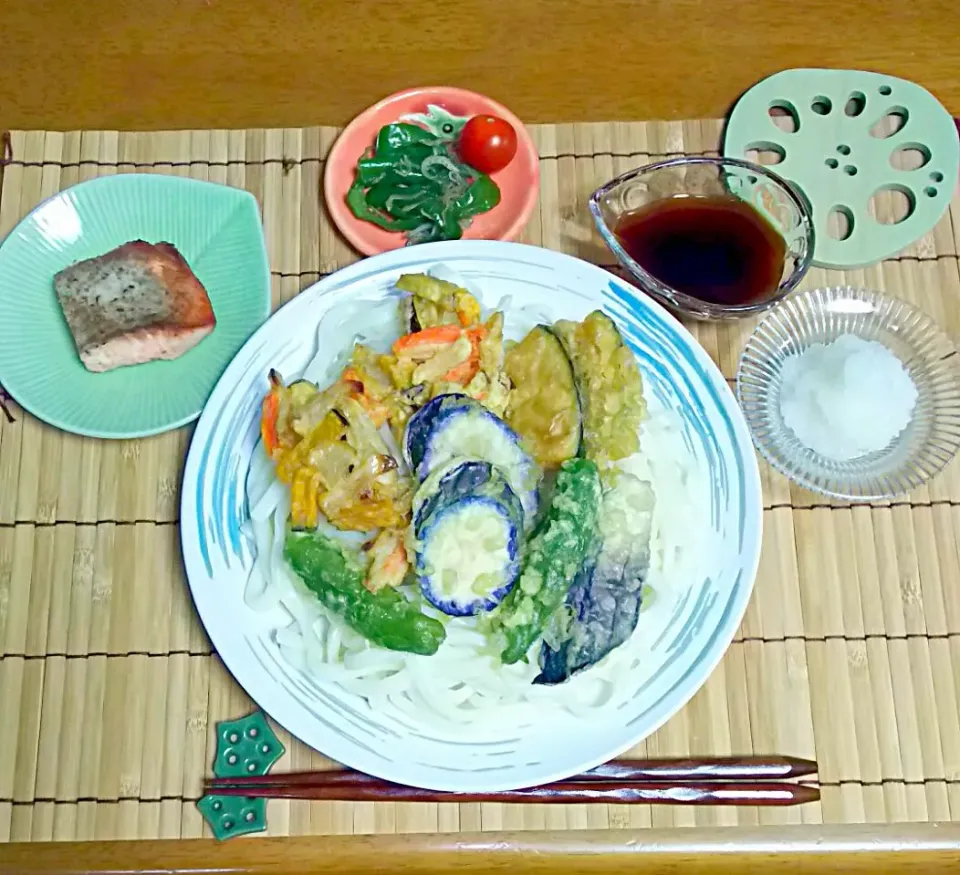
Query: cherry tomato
x=487 y=143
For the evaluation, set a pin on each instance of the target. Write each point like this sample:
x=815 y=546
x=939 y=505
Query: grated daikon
x=846 y=398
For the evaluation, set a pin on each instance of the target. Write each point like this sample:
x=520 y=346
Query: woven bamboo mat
x=109 y=692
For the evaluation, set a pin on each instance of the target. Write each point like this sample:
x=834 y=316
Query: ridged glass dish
x=922 y=449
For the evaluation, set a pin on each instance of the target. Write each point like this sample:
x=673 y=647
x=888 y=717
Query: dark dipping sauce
x=717 y=249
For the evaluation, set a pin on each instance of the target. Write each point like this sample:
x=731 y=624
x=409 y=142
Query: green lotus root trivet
x=847 y=138
x=247 y=746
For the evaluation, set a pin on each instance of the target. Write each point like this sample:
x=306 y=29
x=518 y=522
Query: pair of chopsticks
x=719 y=781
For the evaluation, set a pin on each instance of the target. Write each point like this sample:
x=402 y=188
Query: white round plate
x=696 y=630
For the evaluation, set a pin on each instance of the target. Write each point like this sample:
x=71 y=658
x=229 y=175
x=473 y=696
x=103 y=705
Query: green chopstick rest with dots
x=848 y=139
x=247 y=746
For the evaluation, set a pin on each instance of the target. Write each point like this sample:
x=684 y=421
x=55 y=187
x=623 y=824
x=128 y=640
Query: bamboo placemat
x=109 y=692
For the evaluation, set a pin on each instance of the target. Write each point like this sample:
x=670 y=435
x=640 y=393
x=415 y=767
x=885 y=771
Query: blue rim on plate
x=699 y=624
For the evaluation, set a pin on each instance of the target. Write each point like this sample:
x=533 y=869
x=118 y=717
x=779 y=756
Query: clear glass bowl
x=923 y=448
x=769 y=193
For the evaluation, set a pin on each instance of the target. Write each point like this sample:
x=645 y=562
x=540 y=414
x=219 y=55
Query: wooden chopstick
x=716 y=781
x=663 y=770
x=687 y=793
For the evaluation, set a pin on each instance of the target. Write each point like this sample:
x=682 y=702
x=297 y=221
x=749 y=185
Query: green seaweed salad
x=412 y=181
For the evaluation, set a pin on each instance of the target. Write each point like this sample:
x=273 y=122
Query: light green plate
x=216 y=228
x=853 y=133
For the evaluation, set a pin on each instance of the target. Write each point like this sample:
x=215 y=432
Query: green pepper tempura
x=555 y=553
x=384 y=617
x=413 y=182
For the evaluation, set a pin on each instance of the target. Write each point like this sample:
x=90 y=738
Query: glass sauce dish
x=713 y=238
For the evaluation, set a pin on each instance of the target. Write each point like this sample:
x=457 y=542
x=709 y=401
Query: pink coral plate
x=518 y=181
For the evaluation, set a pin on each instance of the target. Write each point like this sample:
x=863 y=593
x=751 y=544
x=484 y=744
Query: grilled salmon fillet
x=137 y=303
